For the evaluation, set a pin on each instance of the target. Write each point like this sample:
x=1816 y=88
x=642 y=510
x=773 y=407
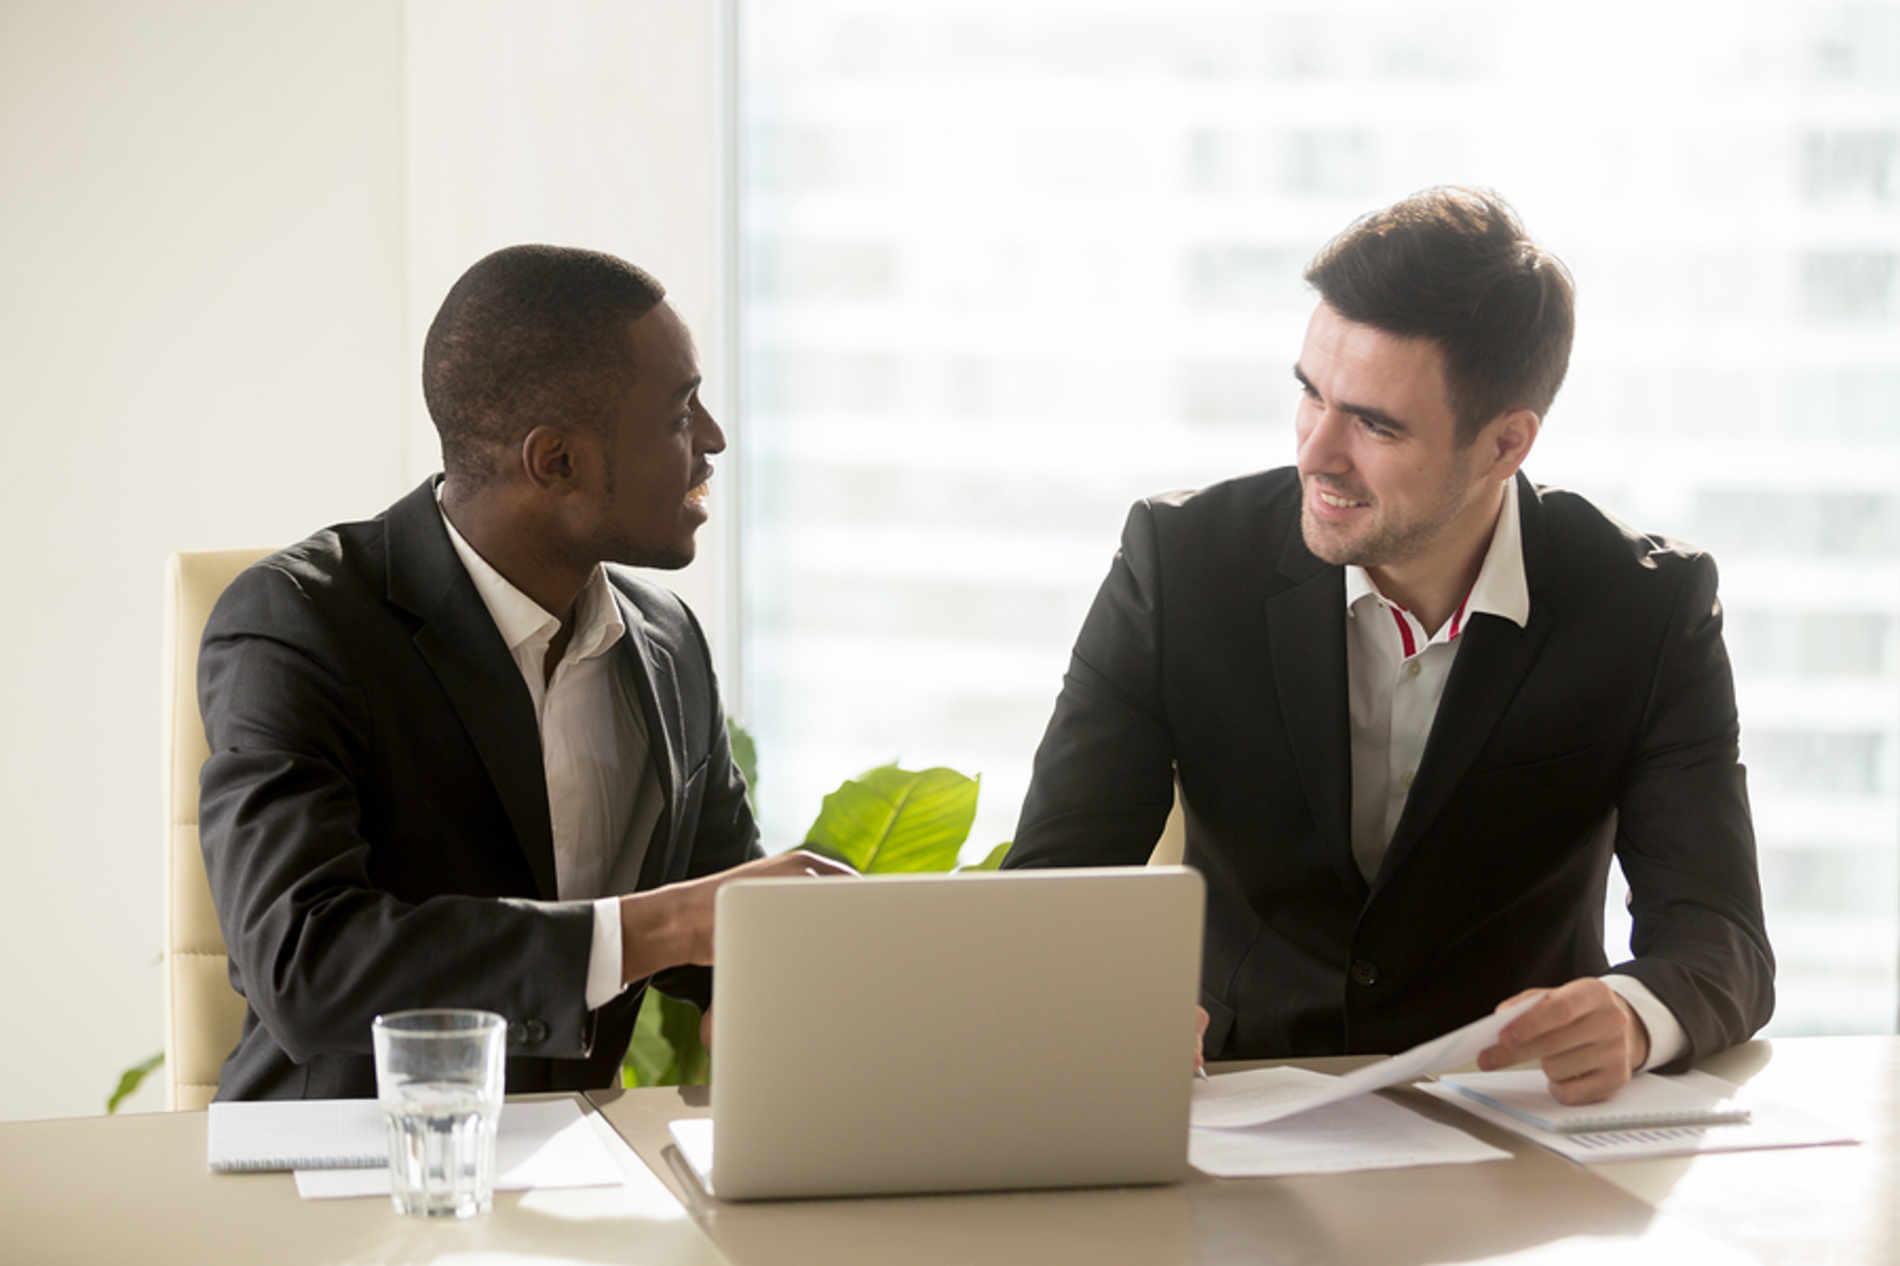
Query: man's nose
x=711 y=438
x=1322 y=443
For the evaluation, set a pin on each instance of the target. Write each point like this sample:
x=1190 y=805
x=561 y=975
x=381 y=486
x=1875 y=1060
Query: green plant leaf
x=665 y=1050
x=890 y=820
x=745 y=754
x=991 y=860
x=679 y=1022
x=131 y=1079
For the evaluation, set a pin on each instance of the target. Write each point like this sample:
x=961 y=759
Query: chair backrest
x=1173 y=841
x=203 y=1014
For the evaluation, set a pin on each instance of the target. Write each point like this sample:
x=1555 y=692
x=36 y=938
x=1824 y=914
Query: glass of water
x=439 y=1077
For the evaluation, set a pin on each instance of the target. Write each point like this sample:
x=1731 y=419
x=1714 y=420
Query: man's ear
x=549 y=460
x=1509 y=438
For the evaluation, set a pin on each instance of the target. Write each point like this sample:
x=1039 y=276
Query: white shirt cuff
x=603 y=960
x=1666 y=1038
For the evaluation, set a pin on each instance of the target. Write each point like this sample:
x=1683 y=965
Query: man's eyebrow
x=1378 y=417
x=687 y=388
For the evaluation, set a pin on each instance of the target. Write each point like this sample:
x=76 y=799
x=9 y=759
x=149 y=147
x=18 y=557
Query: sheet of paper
x=1367 y=1132
x=1260 y=1095
x=1769 y=1125
x=543 y=1143
x=1649 y=1101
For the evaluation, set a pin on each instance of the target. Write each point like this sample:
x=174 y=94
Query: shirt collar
x=1500 y=589
x=522 y=620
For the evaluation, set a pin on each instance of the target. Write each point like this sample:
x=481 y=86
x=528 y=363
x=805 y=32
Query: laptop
x=936 y=1033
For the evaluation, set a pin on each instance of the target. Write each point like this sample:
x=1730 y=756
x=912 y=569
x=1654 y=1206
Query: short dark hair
x=530 y=336
x=1455 y=266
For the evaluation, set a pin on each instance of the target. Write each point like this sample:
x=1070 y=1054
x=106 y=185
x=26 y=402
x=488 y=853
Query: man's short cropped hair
x=1455 y=266
x=530 y=336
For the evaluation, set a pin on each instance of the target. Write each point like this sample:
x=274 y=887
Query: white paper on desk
x=1769 y=1125
x=1368 y=1132
x=542 y=1143
x=1233 y=1100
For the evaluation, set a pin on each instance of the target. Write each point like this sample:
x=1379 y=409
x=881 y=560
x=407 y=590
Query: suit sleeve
x=1104 y=776
x=1686 y=843
x=319 y=944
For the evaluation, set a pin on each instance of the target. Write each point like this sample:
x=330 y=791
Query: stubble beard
x=1383 y=542
x=612 y=542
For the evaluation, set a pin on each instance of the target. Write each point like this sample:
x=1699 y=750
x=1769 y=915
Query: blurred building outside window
x=1008 y=265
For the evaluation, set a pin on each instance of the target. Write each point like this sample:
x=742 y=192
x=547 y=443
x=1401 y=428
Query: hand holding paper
x=1233 y=1100
x=1584 y=1036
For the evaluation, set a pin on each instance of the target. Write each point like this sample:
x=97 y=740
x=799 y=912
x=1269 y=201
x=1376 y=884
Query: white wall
x=201 y=344
x=223 y=226
x=593 y=123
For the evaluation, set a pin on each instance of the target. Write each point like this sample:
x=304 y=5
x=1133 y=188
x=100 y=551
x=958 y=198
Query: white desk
x=134 y=1189
x=1822 y=1205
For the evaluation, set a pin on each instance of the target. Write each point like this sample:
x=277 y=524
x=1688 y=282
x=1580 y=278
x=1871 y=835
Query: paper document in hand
x=1232 y=1100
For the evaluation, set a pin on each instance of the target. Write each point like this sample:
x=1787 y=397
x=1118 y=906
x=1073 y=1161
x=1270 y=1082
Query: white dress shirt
x=1396 y=672
x=603 y=792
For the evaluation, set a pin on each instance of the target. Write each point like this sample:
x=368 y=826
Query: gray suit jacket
x=1216 y=651
x=374 y=815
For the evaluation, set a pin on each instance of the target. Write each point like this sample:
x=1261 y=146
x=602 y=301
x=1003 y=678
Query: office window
x=1011 y=264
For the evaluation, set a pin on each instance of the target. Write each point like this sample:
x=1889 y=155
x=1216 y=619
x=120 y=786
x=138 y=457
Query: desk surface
x=93 y=1190
x=1832 y=1205
x=155 y=1202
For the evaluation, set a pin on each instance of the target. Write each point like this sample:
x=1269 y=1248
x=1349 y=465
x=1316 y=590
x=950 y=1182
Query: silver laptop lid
x=954 y=1032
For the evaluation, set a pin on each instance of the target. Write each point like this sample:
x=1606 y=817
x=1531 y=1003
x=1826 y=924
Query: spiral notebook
x=296 y=1134
x=1650 y=1101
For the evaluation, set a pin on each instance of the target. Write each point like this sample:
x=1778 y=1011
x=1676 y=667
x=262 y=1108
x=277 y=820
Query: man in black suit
x=458 y=761
x=1413 y=702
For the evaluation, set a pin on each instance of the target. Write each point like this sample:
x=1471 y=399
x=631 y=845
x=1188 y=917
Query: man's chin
x=1327 y=546
x=667 y=558
x=671 y=560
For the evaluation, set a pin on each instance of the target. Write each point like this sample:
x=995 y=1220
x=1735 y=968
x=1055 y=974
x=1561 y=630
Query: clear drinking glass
x=439 y=1077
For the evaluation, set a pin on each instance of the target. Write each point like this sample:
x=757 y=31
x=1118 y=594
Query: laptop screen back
x=954 y=1032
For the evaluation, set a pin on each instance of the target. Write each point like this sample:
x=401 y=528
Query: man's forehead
x=1366 y=365
x=663 y=348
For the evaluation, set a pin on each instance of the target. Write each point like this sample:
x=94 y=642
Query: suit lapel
x=459 y=641
x=1493 y=657
x=657 y=686
x=1306 y=629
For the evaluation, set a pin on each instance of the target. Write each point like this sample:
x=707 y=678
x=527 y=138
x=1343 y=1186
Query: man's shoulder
x=664 y=612
x=331 y=563
x=1261 y=491
x=1257 y=509
x=1579 y=533
x=342 y=571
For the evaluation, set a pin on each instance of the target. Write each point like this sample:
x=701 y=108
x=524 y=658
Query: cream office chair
x=203 y=1014
x=1173 y=841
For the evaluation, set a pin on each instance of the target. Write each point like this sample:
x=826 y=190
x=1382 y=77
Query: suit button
x=537 y=1032
x=1365 y=971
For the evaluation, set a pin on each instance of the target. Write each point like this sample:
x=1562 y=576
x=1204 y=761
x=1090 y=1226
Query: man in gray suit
x=459 y=760
x=1413 y=703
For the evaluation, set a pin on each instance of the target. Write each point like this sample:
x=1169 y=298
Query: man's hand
x=1586 y=1037
x=674 y=925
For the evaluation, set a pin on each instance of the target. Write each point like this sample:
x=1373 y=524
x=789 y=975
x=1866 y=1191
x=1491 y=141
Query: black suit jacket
x=374 y=813
x=1216 y=653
